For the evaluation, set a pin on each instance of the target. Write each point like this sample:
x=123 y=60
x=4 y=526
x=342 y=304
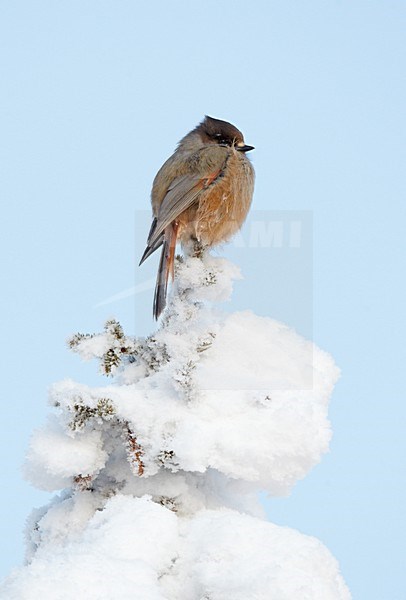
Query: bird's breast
x=221 y=208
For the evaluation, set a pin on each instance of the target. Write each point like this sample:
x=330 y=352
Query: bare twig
x=134 y=451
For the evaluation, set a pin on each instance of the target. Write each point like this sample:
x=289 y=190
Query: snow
x=161 y=469
x=119 y=554
x=136 y=548
x=55 y=455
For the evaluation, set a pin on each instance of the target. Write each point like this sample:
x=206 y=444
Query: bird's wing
x=181 y=194
x=151 y=249
x=206 y=168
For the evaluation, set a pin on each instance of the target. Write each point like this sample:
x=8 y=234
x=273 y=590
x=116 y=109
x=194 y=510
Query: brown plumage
x=200 y=196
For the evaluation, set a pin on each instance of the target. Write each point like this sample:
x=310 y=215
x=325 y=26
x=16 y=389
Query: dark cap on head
x=216 y=129
x=220 y=132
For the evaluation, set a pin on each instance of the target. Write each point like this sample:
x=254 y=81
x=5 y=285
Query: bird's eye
x=221 y=140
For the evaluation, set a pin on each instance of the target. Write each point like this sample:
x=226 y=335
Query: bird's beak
x=241 y=147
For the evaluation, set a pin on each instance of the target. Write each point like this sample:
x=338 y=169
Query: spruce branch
x=110 y=360
x=165 y=457
x=205 y=342
x=167 y=502
x=75 y=340
x=154 y=353
x=103 y=410
x=117 y=349
x=83 y=483
x=113 y=327
x=184 y=379
x=210 y=278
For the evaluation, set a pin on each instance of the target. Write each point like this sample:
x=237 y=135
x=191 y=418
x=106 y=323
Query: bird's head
x=215 y=131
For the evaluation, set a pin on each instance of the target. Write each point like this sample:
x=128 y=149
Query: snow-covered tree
x=161 y=469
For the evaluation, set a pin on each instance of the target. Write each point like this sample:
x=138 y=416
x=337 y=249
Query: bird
x=200 y=196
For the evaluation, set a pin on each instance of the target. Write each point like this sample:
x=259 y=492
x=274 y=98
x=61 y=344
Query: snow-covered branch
x=162 y=467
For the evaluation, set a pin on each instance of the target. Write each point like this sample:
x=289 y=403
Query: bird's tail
x=166 y=266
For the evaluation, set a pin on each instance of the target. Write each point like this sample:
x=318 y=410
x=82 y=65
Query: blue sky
x=95 y=96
